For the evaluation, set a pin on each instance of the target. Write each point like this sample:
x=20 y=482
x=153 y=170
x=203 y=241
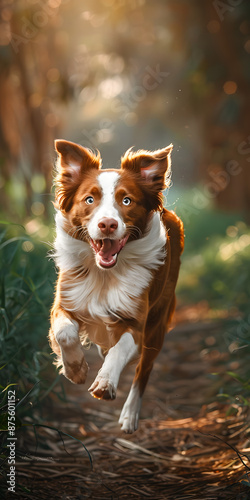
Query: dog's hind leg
x=152 y=343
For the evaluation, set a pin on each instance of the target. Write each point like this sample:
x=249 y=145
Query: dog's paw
x=102 y=388
x=75 y=371
x=129 y=421
x=129 y=417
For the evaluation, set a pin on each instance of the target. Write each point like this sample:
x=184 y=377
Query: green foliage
x=26 y=289
x=216 y=270
x=215 y=264
x=238 y=391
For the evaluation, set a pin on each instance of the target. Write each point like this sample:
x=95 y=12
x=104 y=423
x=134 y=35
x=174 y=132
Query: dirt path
x=186 y=446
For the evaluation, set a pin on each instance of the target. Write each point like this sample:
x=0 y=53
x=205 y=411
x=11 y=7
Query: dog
x=118 y=254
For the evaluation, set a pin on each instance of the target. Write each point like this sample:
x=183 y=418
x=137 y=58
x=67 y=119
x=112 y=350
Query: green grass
x=215 y=263
x=216 y=270
x=26 y=291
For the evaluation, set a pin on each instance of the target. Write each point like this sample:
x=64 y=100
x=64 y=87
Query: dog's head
x=108 y=208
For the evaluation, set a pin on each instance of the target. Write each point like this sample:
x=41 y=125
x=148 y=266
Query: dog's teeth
x=98 y=244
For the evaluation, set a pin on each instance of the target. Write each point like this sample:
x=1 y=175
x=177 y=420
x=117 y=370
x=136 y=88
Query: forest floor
x=191 y=444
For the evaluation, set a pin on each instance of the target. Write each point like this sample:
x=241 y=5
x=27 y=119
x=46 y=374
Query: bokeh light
x=38 y=183
x=37 y=208
x=28 y=246
x=230 y=87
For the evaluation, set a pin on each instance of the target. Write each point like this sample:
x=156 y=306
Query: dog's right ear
x=76 y=158
x=73 y=160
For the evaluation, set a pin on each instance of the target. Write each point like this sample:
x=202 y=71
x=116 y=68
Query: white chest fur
x=100 y=292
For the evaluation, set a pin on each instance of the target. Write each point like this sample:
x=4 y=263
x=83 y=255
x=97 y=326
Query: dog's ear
x=73 y=161
x=152 y=170
x=74 y=158
x=154 y=167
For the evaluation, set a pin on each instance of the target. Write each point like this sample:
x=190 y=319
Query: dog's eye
x=89 y=200
x=126 y=201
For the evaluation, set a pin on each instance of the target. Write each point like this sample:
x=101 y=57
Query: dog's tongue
x=109 y=248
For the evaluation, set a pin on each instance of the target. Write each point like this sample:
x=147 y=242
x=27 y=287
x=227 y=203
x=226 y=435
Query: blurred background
x=111 y=74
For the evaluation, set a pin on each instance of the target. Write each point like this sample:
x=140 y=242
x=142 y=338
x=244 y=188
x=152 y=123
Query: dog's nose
x=107 y=226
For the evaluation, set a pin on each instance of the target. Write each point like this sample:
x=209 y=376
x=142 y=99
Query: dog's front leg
x=64 y=337
x=106 y=382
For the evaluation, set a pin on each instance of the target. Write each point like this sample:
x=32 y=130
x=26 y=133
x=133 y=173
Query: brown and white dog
x=118 y=253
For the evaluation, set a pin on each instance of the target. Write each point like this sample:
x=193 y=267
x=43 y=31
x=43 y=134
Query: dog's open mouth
x=107 y=250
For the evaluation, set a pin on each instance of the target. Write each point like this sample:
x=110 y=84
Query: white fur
x=66 y=331
x=117 y=358
x=107 y=181
x=99 y=349
x=67 y=249
x=109 y=291
x=76 y=167
x=67 y=335
x=149 y=172
x=131 y=410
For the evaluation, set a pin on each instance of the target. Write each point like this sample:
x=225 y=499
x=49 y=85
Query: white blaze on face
x=107 y=182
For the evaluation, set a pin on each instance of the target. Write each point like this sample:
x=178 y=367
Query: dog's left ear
x=153 y=166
